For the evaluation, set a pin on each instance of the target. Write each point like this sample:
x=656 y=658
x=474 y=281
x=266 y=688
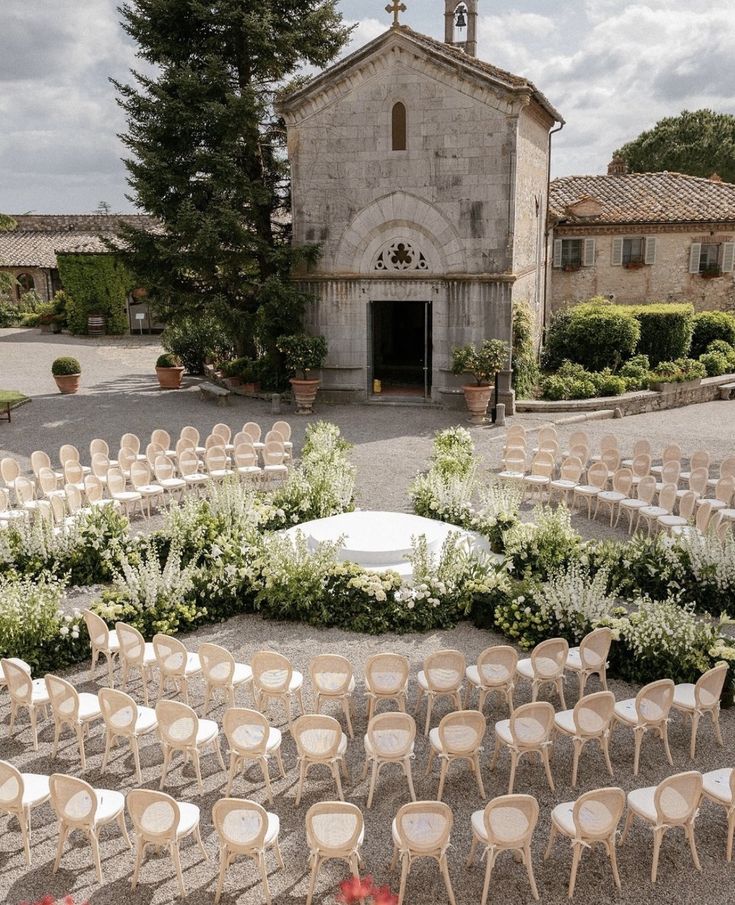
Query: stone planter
x=477 y=400
x=667 y=387
x=169 y=378
x=232 y=383
x=304 y=394
x=68 y=384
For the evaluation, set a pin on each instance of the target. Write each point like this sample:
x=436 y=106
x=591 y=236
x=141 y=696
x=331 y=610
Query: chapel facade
x=422 y=173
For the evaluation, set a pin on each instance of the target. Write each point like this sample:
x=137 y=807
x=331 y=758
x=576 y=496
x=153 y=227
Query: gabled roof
x=644 y=198
x=38 y=237
x=447 y=54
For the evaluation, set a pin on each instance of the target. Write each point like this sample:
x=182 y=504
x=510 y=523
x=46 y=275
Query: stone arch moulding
x=400 y=216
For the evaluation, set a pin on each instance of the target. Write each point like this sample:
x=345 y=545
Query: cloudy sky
x=613 y=67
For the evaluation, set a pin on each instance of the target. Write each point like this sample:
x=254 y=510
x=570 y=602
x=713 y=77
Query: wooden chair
x=247 y=829
x=165 y=473
x=72 y=708
x=389 y=739
x=649 y=710
x=507 y=824
x=386 y=679
x=672 y=803
x=128 y=499
x=495 y=671
x=458 y=737
x=546 y=666
x=161 y=822
x=100 y=447
x=633 y=505
x=597 y=478
x=143 y=483
x=251 y=739
x=593 y=818
x=132 y=442
x=702 y=521
x=333 y=680
x=719 y=788
x=41 y=460
x=135 y=653
x=687 y=504
x=188 y=463
x=319 y=741
x=670 y=474
x=274 y=678
x=176 y=664
x=191 y=435
x=78 y=806
x=622 y=484
x=641 y=447
x=442 y=676
x=569 y=477
x=334 y=831
x=216 y=462
x=528 y=730
x=25 y=693
x=590 y=658
x=704 y=697
x=103 y=641
x=180 y=729
x=124 y=719
x=284 y=429
x=162 y=438
x=651 y=514
x=422 y=829
x=590 y=720
x=724 y=490
x=671 y=453
x=700 y=459
x=20 y=793
x=224 y=431
x=274 y=458
x=254 y=432
x=539 y=479
x=246 y=462
x=220 y=671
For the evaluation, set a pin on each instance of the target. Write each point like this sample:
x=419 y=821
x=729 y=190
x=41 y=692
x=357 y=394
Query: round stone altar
x=382 y=541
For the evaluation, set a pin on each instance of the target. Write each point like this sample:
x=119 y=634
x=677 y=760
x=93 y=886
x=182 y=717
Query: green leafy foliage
x=595 y=335
x=679 y=371
x=482 y=362
x=196 y=341
x=710 y=326
x=95 y=284
x=572 y=381
x=525 y=363
x=207 y=157
x=666 y=330
x=699 y=143
x=636 y=373
x=168 y=360
x=65 y=366
x=302 y=353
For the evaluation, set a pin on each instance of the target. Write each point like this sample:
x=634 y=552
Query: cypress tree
x=207 y=155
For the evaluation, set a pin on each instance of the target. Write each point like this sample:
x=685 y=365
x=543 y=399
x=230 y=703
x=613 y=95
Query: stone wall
x=41 y=279
x=667 y=280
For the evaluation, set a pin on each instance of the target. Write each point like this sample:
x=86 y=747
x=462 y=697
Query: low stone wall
x=634 y=403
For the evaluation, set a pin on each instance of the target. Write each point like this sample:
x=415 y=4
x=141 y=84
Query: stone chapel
x=422 y=173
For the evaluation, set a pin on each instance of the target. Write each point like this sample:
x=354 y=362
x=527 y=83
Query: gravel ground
x=243 y=635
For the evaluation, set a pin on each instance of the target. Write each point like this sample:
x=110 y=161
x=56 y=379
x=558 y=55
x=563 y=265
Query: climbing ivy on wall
x=96 y=284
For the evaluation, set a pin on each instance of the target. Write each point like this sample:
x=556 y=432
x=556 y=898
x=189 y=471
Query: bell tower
x=460 y=25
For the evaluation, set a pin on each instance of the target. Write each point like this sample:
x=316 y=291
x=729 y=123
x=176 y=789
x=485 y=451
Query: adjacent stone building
x=422 y=174
x=643 y=237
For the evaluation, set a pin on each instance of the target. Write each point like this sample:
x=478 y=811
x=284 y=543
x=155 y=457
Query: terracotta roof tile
x=645 y=198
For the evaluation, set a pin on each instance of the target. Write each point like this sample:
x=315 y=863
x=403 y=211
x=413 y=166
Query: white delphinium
x=146 y=581
x=710 y=558
x=575 y=600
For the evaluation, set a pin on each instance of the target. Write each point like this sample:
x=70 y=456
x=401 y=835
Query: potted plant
x=169 y=371
x=67 y=372
x=303 y=354
x=483 y=363
x=240 y=375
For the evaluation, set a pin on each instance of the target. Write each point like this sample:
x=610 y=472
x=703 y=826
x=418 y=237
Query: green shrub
x=710 y=326
x=636 y=372
x=665 y=330
x=95 y=284
x=725 y=349
x=302 y=353
x=572 y=381
x=592 y=334
x=482 y=362
x=678 y=371
x=168 y=360
x=525 y=364
x=608 y=384
x=197 y=340
x=244 y=368
x=63 y=367
x=716 y=363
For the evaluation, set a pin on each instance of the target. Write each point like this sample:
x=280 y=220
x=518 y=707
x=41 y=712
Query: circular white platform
x=382 y=541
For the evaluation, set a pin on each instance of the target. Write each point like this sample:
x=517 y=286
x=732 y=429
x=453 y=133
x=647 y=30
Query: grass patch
x=12 y=398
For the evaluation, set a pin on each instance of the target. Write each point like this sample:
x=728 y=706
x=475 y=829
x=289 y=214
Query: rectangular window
x=634 y=250
x=571 y=252
x=709 y=259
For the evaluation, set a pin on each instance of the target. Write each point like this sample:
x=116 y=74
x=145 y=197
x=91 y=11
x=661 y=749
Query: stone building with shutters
x=642 y=237
x=422 y=173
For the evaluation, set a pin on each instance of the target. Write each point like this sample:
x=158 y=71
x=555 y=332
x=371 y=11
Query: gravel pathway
x=243 y=635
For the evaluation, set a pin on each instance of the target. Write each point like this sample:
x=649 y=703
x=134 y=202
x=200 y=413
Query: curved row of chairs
x=137 y=481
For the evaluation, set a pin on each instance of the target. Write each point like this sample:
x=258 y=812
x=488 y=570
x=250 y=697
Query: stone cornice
x=638 y=229
x=421 y=277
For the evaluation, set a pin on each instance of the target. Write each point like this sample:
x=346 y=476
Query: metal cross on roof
x=396 y=8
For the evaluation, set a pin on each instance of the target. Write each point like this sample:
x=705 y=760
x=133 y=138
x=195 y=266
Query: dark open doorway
x=401 y=335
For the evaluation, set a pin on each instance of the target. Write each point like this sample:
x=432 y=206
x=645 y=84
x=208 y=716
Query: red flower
x=355 y=889
x=384 y=896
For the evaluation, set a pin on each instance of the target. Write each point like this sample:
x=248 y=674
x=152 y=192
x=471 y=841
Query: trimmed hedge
x=95 y=284
x=710 y=326
x=665 y=330
x=595 y=335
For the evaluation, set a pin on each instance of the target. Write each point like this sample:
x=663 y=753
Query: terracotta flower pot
x=169 y=378
x=68 y=384
x=304 y=392
x=477 y=400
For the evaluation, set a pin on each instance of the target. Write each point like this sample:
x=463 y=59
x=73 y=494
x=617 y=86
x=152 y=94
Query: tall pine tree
x=208 y=154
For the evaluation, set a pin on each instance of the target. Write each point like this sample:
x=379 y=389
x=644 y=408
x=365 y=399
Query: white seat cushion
x=207 y=731
x=276 y=469
x=502 y=730
x=127 y=496
x=626 y=711
x=574 y=659
x=653 y=511
x=673 y=521
x=563 y=484
x=611 y=496
x=684 y=696
x=274 y=828
x=35 y=789
x=242 y=674
x=146 y=721
x=149 y=655
x=587 y=490
x=642 y=801
x=633 y=504
x=717 y=785
x=564 y=720
x=297 y=680
x=274 y=739
x=193 y=664
x=563 y=817
x=109 y=805
x=112 y=641
x=478 y=825
x=525 y=668
x=172 y=483
x=537 y=479
x=434 y=740
x=188 y=818
x=89 y=706
x=39 y=692
x=342 y=745
x=150 y=489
